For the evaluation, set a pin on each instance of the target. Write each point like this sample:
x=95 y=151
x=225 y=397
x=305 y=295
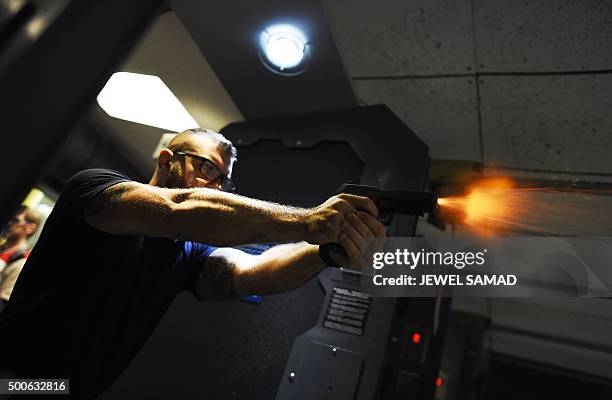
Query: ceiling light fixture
x=144 y=99
x=284 y=49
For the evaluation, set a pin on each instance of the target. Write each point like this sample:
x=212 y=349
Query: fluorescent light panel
x=144 y=99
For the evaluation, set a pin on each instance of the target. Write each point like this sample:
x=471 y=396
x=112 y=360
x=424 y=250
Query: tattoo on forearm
x=216 y=280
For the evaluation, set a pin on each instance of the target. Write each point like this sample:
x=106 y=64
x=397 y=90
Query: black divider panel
x=238 y=350
x=305 y=177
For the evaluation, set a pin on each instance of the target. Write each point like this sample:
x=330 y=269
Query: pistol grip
x=326 y=249
x=385 y=215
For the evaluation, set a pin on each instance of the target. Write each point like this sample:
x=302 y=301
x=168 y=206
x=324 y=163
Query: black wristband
x=324 y=251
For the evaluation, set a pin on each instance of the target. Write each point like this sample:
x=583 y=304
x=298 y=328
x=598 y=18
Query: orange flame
x=485 y=209
x=497 y=206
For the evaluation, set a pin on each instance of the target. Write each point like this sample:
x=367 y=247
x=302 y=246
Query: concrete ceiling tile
x=543 y=35
x=440 y=111
x=399 y=38
x=560 y=123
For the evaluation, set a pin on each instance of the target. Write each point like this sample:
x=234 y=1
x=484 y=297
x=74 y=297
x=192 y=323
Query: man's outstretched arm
x=230 y=272
x=217 y=218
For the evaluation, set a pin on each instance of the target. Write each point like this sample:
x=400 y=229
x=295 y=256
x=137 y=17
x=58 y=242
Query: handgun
x=389 y=203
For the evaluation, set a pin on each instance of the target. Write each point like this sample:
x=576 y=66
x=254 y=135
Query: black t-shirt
x=86 y=300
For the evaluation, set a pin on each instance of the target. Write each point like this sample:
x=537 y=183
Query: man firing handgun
x=135 y=246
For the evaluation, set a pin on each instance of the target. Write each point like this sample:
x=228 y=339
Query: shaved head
x=184 y=141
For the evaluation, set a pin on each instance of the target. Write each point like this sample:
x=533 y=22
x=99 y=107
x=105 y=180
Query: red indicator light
x=416 y=338
x=439 y=382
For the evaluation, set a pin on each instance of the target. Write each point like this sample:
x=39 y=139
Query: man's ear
x=164 y=159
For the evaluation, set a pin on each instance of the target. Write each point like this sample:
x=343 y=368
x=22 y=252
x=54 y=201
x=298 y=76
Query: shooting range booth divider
x=368 y=359
x=242 y=350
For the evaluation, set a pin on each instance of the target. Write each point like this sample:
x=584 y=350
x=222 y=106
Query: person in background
x=14 y=251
